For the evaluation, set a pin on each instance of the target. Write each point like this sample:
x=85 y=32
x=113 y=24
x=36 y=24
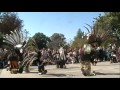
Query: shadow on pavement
x=58 y=75
x=73 y=67
x=99 y=73
x=108 y=65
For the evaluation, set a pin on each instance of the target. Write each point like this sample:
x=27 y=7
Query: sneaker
x=44 y=72
x=93 y=73
x=40 y=73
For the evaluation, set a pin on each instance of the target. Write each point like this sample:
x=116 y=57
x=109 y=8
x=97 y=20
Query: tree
x=78 y=39
x=9 y=22
x=3 y=44
x=79 y=34
x=107 y=27
x=41 y=40
x=57 y=40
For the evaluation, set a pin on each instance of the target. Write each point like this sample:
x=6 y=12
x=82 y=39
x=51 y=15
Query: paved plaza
x=103 y=70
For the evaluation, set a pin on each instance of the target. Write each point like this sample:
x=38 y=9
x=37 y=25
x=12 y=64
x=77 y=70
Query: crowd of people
x=71 y=55
x=60 y=57
x=75 y=55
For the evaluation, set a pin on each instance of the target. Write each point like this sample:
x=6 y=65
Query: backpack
x=87 y=48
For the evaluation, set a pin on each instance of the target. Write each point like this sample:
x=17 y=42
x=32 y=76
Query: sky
x=66 y=23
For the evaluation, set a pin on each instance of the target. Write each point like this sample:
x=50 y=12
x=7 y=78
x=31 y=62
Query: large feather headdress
x=96 y=35
x=15 y=39
x=90 y=35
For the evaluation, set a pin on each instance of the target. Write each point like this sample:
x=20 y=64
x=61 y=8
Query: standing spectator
x=62 y=58
x=41 y=64
x=118 y=54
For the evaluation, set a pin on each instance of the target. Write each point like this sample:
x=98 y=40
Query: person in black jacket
x=41 y=64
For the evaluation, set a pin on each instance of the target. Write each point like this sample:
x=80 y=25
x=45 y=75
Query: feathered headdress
x=90 y=35
x=96 y=35
x=15 y=39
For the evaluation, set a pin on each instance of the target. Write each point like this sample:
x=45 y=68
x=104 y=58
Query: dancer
x=41 y=64
x=13 y=58
x=86 y=58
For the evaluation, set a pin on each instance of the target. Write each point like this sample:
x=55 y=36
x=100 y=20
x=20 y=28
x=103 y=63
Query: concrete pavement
x=0 y=71
x=103 y=70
